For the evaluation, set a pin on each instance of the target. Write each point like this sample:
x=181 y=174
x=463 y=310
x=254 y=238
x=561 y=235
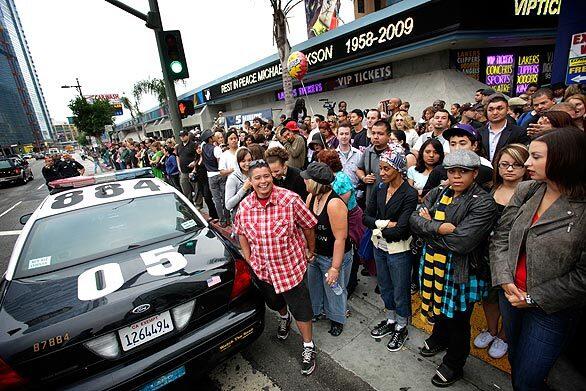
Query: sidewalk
x=356 y=351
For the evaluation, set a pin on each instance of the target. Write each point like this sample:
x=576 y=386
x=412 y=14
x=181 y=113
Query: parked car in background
x=14 y=169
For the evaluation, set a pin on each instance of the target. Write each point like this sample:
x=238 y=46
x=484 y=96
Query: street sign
x=577 y=60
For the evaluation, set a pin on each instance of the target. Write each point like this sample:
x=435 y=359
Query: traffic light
x=186 y=108
x=173 y=54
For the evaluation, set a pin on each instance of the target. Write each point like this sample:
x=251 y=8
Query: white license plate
x=145 y=330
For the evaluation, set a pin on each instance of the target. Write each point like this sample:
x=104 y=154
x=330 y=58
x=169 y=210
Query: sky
x=109 y=50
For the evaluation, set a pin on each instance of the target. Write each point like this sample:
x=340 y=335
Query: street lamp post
x=76 y=86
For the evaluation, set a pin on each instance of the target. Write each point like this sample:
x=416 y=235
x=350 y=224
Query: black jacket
x=509 y=135
x=473 y=214
x=293 y=181
x=398 y=209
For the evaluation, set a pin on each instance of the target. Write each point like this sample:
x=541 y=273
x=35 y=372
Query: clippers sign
x=577 y=60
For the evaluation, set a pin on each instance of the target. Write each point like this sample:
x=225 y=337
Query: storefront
x=418 y=50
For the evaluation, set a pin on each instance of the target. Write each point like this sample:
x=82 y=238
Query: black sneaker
x=427 y=351
x=383 y=329
x=445 y=376
x=284 y=327
x=397 y=340
x=308 y=360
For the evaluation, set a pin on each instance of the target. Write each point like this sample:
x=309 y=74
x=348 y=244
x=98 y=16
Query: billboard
x=114 y=100
x=321 y=16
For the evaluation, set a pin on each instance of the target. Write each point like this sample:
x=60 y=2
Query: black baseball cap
x=319 y=172
x=184 y=133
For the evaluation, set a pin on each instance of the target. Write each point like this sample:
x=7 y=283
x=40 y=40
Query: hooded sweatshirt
x=234 y=191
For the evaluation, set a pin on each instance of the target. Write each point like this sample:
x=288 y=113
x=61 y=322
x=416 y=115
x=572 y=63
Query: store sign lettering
x=537 y=7
x=527 y=72
x=499 y=72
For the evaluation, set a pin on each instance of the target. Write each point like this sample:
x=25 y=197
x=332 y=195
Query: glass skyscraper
x=24 y=116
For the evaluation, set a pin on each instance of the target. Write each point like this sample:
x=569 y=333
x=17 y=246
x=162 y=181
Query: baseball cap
x=516 y=101
x=461 y=129
x=461 y=158
x=292 y=125
x=488 y=91
x=184 y=133
x=317 y=139
x=319 y=172
x=478 y=107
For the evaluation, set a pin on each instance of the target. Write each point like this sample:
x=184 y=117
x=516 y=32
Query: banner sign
x=113 y=99
x=354 y=79
x=577 y=60
x=321 y=16
x=508 y=70
x=239 y=119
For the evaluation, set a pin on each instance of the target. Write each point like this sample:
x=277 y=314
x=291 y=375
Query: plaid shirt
x=274 y=232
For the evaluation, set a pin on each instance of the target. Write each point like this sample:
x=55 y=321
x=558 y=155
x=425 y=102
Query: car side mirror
x=25 y=218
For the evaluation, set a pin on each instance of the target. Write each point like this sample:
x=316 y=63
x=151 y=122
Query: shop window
x=360 y=6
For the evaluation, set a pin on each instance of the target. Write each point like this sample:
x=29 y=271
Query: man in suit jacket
x=499 y=132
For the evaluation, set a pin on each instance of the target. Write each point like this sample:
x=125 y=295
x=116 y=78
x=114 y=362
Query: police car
x=117 y=282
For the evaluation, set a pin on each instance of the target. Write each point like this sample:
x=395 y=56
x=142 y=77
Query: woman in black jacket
x=388 y=216
x=454 y=223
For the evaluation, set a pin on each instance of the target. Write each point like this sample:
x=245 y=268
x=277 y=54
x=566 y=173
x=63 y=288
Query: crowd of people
x=481 y=202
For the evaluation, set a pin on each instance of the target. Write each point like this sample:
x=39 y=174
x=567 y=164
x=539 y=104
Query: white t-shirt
x=419 y=179
x=411 y=136
x=227 y=160
x=426 y=136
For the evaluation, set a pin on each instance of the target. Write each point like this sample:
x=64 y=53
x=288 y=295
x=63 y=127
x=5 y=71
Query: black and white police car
x=117 y=282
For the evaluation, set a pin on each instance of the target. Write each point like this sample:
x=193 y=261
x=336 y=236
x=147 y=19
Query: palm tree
x=152 y=86
x=135 y=112
x=280 y=26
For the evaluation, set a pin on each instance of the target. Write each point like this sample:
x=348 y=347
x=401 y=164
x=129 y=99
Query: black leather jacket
x=474 y=214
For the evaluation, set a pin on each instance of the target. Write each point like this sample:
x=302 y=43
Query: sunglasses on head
x=257 y=164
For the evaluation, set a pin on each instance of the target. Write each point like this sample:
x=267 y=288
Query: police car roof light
x=82 y=181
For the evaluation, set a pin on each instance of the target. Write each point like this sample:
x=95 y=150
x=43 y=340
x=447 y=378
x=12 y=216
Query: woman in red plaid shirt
x=276 y=233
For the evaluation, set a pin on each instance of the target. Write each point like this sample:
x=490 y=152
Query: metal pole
x=169 y=86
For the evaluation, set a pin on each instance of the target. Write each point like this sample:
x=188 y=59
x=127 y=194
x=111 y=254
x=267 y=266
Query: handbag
x=366 y=248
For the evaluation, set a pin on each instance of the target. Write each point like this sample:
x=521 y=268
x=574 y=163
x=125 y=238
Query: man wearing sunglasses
x=276 y=233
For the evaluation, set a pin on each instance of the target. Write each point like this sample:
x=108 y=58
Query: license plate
x=145 y=330
x=164 y=380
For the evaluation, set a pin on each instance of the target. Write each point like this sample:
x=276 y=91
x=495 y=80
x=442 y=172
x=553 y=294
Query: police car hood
x=38 y=308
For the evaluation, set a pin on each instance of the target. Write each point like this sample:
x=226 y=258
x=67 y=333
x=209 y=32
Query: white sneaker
x=498 y=348
x=483 y=339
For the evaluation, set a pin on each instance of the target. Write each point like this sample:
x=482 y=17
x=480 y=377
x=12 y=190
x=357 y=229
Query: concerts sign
x=431 y=19
x=508 y=70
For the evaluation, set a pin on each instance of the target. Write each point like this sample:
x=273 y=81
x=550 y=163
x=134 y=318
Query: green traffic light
x=176 y=67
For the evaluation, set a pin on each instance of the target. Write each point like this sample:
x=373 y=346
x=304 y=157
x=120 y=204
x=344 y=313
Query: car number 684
x=159 y=262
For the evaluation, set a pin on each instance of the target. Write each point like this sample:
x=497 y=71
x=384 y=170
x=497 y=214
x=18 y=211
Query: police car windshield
x=78 y=236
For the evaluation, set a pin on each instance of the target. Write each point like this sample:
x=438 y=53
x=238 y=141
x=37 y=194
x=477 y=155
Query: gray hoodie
x=234 y=191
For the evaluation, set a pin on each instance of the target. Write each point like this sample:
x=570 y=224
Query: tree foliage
x=90 y=118
x=152 y=86
x=81 y=139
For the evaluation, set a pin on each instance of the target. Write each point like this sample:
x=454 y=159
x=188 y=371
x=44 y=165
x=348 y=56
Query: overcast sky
x=109 y=50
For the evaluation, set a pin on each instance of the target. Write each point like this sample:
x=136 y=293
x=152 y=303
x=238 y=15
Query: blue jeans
x=393 y=273
x=535 y=340
x=323 y=298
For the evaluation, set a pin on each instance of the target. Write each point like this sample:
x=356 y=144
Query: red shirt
x=274 y=233
x=521 y=270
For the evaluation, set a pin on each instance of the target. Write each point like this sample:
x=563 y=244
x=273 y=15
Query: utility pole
x=153 y=21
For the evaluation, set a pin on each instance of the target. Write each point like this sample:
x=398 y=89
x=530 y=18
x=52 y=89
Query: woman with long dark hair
x=299 y=110
x=431 y=154
x=537 y=256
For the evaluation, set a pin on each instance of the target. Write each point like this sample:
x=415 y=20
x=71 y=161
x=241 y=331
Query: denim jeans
x=535 y=340
x=218 y=188
x=323 y=298
x=394 y=281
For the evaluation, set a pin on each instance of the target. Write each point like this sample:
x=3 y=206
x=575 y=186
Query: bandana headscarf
x=395 y=157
